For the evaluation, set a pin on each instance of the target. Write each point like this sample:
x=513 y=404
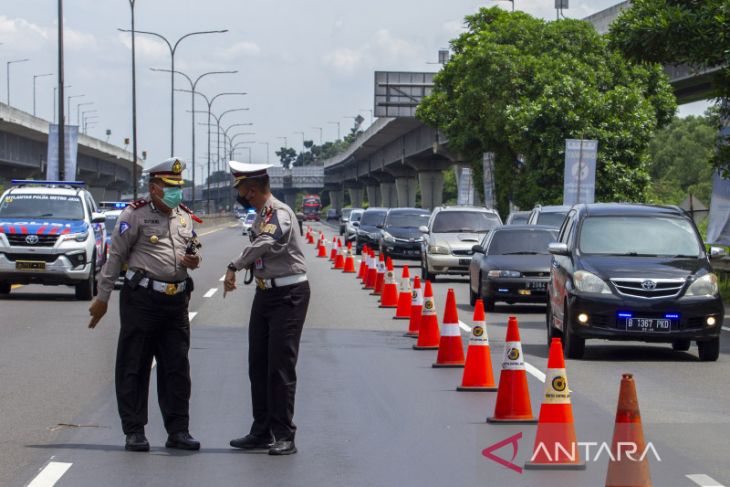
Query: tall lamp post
x=267 y=151
x=339 y=128
x=321 y=130
x=55 y=104
x=61 y=82
x=8 y=73
x=35 y=77
x=303 y=138
x=173 y=50
x=68 y=102
x=78 y=111
x=193 y=86
x=134 y=104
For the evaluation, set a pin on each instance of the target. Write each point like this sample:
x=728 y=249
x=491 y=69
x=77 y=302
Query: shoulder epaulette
x=187 y=210
x=136 y=205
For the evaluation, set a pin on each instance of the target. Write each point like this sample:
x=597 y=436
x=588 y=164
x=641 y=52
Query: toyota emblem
x=31 y=239
x=648 y=285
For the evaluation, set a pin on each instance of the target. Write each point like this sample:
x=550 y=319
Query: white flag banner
x=71 y=145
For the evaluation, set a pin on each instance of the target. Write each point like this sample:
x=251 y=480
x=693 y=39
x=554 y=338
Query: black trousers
x=153 y=325
x=275 y=328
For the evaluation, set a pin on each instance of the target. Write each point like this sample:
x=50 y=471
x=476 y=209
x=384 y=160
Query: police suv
x=51 y=233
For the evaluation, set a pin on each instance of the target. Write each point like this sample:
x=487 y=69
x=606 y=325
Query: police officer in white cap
x=279 y=309
x=155 y=238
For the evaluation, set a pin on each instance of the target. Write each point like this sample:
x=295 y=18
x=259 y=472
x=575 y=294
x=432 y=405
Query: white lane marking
x=531 y=369
x=192 y=315
x=154 y=362
x=50 y=474
x=210 y=292
x=704 y=480
x=223 y=278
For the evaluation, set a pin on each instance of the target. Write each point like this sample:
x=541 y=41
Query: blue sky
x=303 y=64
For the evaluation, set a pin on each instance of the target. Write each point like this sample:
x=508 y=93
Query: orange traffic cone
x=625 y=469
x=478 y=375
x=513 y=397
x=389 y=298
x=363 y=267
x=333 y=249
x=404 y=297
x=416 y=308
x=428 y=333
x=322 y=247
x=379 y=277
x=365 y=264
x=451 y=350
x=340 y=259
x=372 y=272
x=349 y=267
x=555 y=445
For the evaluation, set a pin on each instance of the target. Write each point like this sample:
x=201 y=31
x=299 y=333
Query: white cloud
x=33 y=37
x=393 y=48
x=147 y=47
x=383 y=48
x=453 y=28
x=344 y=60
x=241 y=49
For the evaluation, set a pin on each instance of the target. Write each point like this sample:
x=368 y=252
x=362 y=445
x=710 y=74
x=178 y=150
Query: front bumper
x=517 y=290
x=59 y=269
x=363 y=240
x=604 y=320
x=448 y=264
x=403 y=249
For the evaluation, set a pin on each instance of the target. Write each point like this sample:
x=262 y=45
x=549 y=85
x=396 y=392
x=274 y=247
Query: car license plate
x=30 y=265
x=464 y=261
x=537 y=285
x=648 y=325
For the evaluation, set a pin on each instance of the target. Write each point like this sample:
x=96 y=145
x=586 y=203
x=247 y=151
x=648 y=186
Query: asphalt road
x=370 y=410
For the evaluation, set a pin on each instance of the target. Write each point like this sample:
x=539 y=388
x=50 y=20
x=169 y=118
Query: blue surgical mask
x=173 y=197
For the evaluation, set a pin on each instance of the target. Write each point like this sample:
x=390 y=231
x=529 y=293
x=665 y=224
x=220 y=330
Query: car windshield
x=373 y=218
x=250 y=217
x=640 y=236
x=346 y=212
x=58 y=207
x=355 y=216
x=464 y=222
x=521 y=242
x=110 y=222
x=551 y=219
x=519 y=219
x=407 y=220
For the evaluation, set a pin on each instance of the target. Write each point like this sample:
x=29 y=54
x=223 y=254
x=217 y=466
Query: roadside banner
x=580 y=171
x=718 y=228
x=465 y=187
x=71 y=139
x=490 y=199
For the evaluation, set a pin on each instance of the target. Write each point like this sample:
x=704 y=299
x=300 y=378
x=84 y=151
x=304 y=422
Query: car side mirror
x=717 y=252
x=558 y=248
x=355 y=224
x=423 y=229
x=379 y=226
x=98 y=218
x=478 y=249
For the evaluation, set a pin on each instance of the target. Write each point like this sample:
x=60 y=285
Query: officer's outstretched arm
x=273 y=232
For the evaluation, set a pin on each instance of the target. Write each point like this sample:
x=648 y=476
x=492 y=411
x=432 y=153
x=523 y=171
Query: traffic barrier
x=625 y=469
x=340 y=259
x=513 y=396
x=451 y=350
x=389 y=298
x=555 y=445
x=414 y=324
x=379 y=277
x=372 y=272
x=404 y=297
x=478 y=374
x=428 y=334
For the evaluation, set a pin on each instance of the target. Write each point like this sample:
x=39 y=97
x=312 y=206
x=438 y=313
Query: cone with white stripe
x=513 y=397
x=428 y=334
x=381 y=269
x=478 y=374
x=555 y=445
x=389 y=298
x=333 y=249
x=372 y=272
x=451 y=350
x=404 y=297
x=340 y=259
x=414 y=325
x=349 y=267
x=361 y=273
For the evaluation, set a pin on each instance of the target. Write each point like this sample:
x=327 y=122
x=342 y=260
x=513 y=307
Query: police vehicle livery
x=51 y=233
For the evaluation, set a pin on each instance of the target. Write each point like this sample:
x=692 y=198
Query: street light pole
x=193 y=86
x=68 y=102
x=339 y=129
x=35 y=77
x=303 y=137
x=8 y=74
x=61 y=117
x=55 y=105
x=78 y=111
x=320 y=133
x=173 y=50
x=267 y=151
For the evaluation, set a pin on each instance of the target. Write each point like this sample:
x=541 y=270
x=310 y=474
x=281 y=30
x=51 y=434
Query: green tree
x=519 y=86
x=287 y=156
x=691 y=32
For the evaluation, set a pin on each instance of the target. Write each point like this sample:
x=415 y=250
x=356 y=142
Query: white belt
x=280 y=281
x=169 y=288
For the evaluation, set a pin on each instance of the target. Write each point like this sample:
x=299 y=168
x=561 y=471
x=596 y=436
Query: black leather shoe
x=251 y=442
x=182 y=441
x=283 y=447
x=137 y=442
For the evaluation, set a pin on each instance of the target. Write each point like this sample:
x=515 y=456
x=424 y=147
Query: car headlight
x=79 y=237
x=587 y=282
x=388 y=237
x=704 y=286
x=437 y=249
x=498 y=273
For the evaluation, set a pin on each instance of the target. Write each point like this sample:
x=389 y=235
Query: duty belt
x=169 y=288
x=280 y=281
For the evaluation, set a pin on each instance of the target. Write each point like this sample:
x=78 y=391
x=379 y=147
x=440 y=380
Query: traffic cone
x=372 y=272
x=322 y=250
x=555 y=445
x=513 y=397
x=404 y=298
x=389 y=298
x=365 y=263
x=451 y=350
x=625 y=469
x=379 y=276
x=340 y=259
x=349 y=267
x=333 y=249
x=416 y=308
x=363 y=266
x=428 y=333
x=478 y=375
x=310 y=237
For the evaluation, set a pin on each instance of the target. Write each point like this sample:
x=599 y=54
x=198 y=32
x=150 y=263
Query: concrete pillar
x=406 y=191
x=388 y=197
x=432 y=188
x=373 y=194
x=337 y=198
x=290 y=199
x=356 y=197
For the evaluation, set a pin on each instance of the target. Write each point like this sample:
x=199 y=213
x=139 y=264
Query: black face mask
x=244 y=202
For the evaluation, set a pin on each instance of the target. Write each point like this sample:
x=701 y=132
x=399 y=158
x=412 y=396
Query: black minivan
x=632 y=272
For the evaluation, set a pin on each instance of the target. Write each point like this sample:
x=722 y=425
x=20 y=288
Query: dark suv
x=633 y=272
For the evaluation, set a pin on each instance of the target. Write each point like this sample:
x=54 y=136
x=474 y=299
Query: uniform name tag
x=259 y=263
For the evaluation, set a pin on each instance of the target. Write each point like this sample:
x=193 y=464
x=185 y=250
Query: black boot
x=182 y=441
x=137 y=442
x=251 y=442
x=283 y=447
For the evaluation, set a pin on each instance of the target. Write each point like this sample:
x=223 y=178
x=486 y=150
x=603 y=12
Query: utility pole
x=61 y=115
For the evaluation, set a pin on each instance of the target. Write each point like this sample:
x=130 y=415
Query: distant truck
x=311 y=206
